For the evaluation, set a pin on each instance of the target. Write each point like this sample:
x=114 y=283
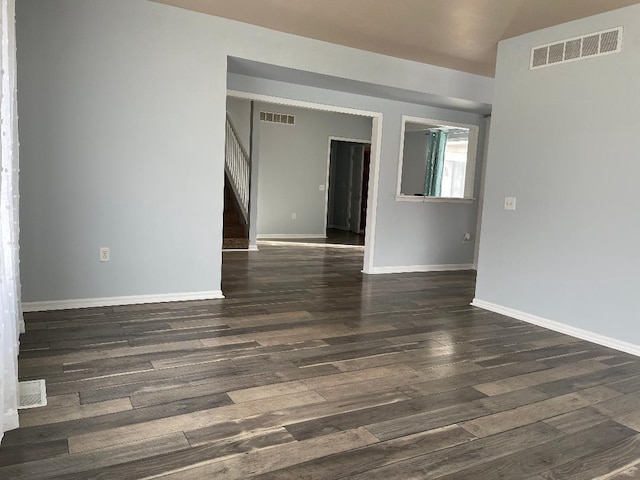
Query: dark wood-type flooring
x=310 y=370
x=334 y=237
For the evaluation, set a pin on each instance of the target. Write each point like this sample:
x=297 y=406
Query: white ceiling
x=458 y=34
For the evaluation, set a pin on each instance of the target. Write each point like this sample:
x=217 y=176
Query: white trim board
x=420 y=199
x=559 y=327
x=420 y=268
x=259 y=97
x=251 y=248
x=310 y=244
x=10 y=420
x=472 y=157
x=265 y=236
x=483 y=178
x=372 y=202
x=115 y=301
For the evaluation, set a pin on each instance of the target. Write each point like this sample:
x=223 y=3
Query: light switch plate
x=509 y=203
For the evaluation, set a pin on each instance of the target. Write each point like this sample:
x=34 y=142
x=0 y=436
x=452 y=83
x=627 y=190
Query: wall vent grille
x=281 y=118
x=577 y=48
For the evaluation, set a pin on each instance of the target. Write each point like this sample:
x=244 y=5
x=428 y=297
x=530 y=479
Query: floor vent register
x=32 y=394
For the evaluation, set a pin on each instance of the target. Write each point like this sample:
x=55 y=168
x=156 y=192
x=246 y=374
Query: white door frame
x=483 y=175
x=374 y=169
x=328 y=181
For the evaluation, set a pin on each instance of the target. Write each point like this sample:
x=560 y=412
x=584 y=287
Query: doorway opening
x=369 y=193
x=348 y=190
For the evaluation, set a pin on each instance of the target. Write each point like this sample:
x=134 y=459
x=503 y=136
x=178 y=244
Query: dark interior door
x=365 y=188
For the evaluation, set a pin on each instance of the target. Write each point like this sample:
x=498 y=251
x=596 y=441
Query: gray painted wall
x=564 y=142
x=239 y=111
x=119 y=127
x=407 y=233
x=122 y=129
x=414 y=166
x=293 y=165
x=255 y=175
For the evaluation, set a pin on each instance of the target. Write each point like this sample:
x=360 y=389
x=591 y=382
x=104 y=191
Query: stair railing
x=238 y=168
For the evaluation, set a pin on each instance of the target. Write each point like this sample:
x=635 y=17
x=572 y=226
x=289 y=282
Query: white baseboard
x=9 y=420
x=267 y=236
x=419 y=268
x=114 y=301
x=559 y=327
x=302 y=243
x=250 y=248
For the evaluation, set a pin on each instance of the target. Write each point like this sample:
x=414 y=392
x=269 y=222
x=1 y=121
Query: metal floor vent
x=578 y=48
x=32 y=394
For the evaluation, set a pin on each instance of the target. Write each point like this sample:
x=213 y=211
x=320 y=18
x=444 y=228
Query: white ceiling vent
x=281 y=118
x=577 y=48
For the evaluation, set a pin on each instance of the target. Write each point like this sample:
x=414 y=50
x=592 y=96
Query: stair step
x=232 y=217
x=233 y=231
x=235 y=243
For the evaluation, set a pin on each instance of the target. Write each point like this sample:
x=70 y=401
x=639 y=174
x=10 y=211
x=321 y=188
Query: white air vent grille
x=572 y=49
x=609 y=41
x=32 y=394
x=578 y=48
x=590 y=45
x=281 y=118
x=556 y=53
x=539 y=57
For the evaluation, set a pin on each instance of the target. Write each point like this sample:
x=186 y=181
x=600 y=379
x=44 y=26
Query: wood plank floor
x=310 y=370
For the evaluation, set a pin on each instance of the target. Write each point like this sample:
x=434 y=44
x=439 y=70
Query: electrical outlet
x=105 y=254
x=321 y=188
x=293 y=216
x=509 y=203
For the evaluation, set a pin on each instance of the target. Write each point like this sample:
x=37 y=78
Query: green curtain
x=435 y=162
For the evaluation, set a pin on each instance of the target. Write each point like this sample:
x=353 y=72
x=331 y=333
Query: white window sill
x=420 y=199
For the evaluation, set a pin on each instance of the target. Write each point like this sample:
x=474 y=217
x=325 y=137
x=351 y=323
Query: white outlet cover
x=105 y=254
x=321 y=188
x=509 y=203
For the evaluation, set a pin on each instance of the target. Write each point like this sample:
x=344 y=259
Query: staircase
x=235 y=232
